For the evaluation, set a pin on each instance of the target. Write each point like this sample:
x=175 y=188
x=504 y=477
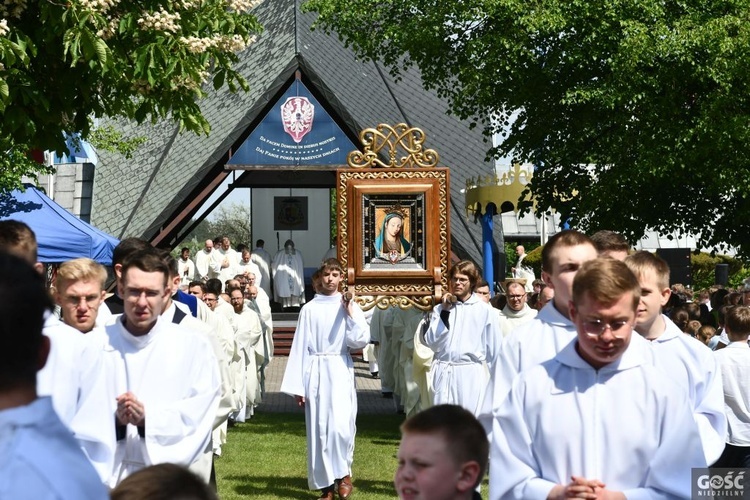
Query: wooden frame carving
x=393 y=235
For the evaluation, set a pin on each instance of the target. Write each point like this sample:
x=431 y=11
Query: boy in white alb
x=681 y=357
x=320 y=376
x=544 y=336
x=464 y=332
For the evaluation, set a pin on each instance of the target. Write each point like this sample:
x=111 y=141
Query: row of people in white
x=224 y=263
x=536 y=343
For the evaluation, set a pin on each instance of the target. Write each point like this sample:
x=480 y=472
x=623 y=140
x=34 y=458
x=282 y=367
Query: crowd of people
x=617 y=386
x=152 y=374
x=609 y=389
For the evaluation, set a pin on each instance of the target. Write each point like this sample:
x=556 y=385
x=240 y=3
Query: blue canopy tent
x=60 y=235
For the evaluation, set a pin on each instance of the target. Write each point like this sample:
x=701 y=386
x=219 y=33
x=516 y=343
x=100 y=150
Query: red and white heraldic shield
x=297 y=116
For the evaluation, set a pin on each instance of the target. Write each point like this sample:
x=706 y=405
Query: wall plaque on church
x=290 y=213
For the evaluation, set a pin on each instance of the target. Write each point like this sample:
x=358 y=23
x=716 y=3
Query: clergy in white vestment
x=264 y=347
x=262 y=259
x=543 y=337
x=246 y=266
x=465 y=336
x=599 y=418
x=516 y=312
x=381 y=335
x=185 y=268
x=178 y=313
x=203 y=262
x=289 y=276
x=320 y=375
x=225 y=261
x=163 y=382
x=249 y=333
x=409 y=322
x=681 y=357
x=522 y=271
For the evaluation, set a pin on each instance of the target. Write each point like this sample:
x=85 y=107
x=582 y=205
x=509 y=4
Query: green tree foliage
x=63 y=64
x=232 y=221
x=635 y=112
x=703 y=269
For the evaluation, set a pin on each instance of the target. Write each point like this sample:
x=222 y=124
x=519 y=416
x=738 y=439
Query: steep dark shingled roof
x=138 y=197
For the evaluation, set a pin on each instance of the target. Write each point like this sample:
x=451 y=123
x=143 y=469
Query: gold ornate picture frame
x=393 y=235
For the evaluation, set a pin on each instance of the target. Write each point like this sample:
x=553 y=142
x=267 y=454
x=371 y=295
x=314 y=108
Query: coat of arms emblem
x=297 y=116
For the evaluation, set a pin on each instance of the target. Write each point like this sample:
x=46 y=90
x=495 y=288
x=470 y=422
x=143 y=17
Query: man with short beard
x=248 y=334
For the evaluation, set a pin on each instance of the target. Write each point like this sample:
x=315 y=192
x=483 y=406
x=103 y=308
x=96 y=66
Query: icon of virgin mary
x=390 y=243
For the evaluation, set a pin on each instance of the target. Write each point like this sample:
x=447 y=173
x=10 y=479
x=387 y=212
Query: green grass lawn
x=265 y=458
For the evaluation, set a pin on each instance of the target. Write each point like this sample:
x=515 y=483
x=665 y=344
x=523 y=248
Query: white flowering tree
x=64 y=62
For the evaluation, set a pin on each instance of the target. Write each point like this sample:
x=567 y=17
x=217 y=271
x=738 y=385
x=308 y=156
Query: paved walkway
x=369 y=398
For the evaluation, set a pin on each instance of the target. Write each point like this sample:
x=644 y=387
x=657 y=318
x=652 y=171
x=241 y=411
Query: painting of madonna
x=390 y=243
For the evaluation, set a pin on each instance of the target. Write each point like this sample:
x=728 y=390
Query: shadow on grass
x=295 y=487
x=270 y=423
x=375 y=487
x=272 y=486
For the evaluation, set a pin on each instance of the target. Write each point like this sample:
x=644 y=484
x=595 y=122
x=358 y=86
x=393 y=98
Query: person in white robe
x=246 y=266
x=178 y=313
x=262 y=259
x=289 y=276
x=264 y=347
x=599 y=420
x=163 y=382
x=522 y=271
x=249 y=333
x=422 y=368
x=320 y=375
x=465 y=337
x=225 y=261
x=408 y=322
x=185 y=268
x=516 y=312
x=681 y=357
x=203 y=262
x=734 y=362
x=381 y=336
x=543 y=337
x=226 y=334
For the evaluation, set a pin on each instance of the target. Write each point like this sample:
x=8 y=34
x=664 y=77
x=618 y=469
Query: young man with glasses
x=599 y=420
x=516 y=311
x=159 y=378
x=684 y=358
x=464 y=333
